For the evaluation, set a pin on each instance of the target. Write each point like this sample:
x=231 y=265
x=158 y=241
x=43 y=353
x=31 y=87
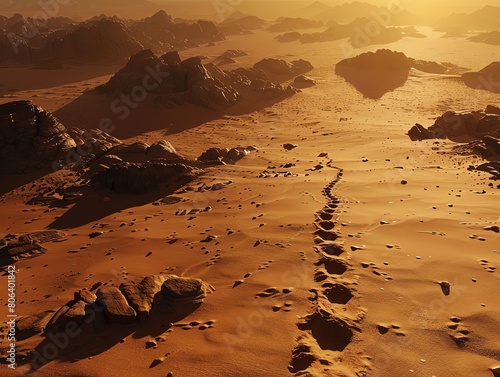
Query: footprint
x=268 y=292
x=488 y=267
x=265 y=265
x=331 y=333
x=333 y=265
x=337 y=293
x=458 y=332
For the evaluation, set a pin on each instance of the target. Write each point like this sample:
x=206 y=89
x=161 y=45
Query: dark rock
x=140 y=178
x=452 y=124
x=282 y=67
x=419 y=132
x=487 y=78
x=303 y=81
x=490 y=109
x=492 y=168
x=116 y=308
x=375 y=73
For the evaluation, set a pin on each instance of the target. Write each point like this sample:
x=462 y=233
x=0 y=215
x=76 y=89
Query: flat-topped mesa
x=376 y=73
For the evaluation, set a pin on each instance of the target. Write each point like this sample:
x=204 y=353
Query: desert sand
x=353 y=251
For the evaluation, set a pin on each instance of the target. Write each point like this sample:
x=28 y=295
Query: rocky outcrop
x=486 y=147
x=487 y=78
x=116 y=308
x=227 y=156
x=303 y=81
x=141 y=295
x=492 y=168
x=27 y=245
x=452 y=124
x=176 y=81
x=282 y=67
x=32 y=138
x=139 y=178
x=92 y=309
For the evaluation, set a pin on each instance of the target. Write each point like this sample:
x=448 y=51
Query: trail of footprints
x=326 y=326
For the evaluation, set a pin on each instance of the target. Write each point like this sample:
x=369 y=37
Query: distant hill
x=348 y=12
x=83 y=8
x=486 y=18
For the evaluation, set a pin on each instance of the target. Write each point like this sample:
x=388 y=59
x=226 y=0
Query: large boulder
x=139 y=178
x=116 y=308
x=178 y=293
x=140 y=296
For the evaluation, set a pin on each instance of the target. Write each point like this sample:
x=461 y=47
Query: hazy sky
x=436 y=8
